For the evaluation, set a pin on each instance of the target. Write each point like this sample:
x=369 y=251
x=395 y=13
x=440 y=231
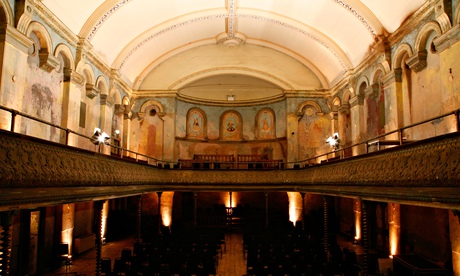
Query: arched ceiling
x=325 y=38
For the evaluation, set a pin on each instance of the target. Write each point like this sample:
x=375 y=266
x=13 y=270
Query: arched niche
x=265 y=124
x=231 y=126
x=196 y=124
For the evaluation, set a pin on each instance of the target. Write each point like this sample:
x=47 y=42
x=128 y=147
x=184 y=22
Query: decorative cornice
x=34 y=171
x=105 y=17
x=359 y=16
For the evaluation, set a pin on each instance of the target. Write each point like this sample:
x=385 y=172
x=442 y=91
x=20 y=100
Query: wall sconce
x=334 y=141
x=100 y=137
x=230 y=98
x=117 y=132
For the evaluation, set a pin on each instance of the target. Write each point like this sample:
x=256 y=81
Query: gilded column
x=195 y=207
x=365 y=237
x=159 y=212
x=266 y=210
x=6 y=221
x=325 y=227
x=303 y=211
x=139 y=220
x=454 y=229
x=394 y=224
x=98 y=207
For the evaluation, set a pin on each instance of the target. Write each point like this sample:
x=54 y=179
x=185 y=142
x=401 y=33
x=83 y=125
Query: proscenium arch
x=302 y=60
x=237 y=70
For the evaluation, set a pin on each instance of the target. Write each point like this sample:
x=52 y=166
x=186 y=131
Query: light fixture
x=334 y=141
x=230 y=98
x=117 y=132
x=100 y=137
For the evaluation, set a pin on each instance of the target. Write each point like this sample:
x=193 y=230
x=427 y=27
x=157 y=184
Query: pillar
x=139 y=220
x=357 y=211
x=454 y=229
x=325 y=227
x=357 y=122
x=266 y=210
x=6 y=222
x=195 y=207
x=159 y=212
x=394 y=225
x=303 y=211
x=365 y=237
x=98 y=207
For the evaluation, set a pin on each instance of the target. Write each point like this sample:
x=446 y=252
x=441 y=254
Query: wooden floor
x=232 y=262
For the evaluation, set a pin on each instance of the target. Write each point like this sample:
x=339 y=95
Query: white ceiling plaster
x=136 y=36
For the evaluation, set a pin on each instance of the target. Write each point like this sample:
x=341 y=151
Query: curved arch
x=125 y=101
x=86 y=71
x=348 y=95
x=424 y=34
x=99 y=16
x=337 y=101
x=376 y=73
x=44 y=37
x=148 y=103
x=101 y=83
x=240 y=70
x=115 y=94
x=402 y=50
x=302 y=106
x=456 y=18
x=147 y=70
x=6 y=14
x=66 y=54
x=362 y=80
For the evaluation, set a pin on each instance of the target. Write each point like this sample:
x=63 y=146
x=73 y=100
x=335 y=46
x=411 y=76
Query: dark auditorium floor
x=232 y=262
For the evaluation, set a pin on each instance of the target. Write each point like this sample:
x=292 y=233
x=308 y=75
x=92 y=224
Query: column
x=195 y=207
x=266 y=210
x=454 y=229
x=98 y=206
x=365 y=237
x=6 y=222
x=357 y=211
x=159 y=212
x=325 y=227
x=303 y=211
x=358 y=122
x=139 y=220
x=394 y=225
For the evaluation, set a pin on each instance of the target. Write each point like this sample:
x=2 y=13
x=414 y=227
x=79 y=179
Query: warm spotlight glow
x=166 y=208
x=295 y=207
x=105 y=213
x=234 y=199
x=394 y=240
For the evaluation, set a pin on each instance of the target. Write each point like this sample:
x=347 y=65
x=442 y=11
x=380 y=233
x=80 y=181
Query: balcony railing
x=342 y=152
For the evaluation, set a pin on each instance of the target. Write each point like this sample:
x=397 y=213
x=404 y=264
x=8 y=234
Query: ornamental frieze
x=34 y=171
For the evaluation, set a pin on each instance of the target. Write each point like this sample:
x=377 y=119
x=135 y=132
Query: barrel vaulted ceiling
x=293 y=44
